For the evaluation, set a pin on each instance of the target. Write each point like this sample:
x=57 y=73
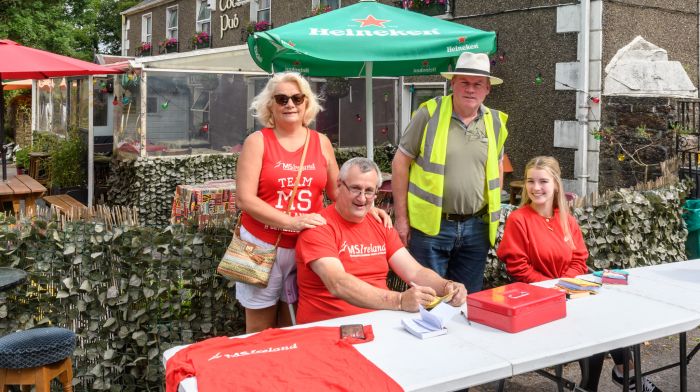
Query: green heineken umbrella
x=367 y=39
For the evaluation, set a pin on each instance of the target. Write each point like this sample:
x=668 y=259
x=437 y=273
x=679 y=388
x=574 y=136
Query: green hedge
x=149 y=183
x=129 y=293
x=623 y=229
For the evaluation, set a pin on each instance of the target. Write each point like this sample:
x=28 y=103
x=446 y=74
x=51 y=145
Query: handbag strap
x=296 y=181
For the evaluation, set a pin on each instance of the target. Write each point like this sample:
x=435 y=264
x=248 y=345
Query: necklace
x=546 y=222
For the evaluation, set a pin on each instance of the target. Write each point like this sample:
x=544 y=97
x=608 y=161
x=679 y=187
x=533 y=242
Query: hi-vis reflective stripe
x=495 y=216
x=427 y=196
x=496 y=124
x=424 y=160
x=495 y=183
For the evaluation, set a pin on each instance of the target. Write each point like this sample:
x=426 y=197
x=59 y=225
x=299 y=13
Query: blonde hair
x=262 y=103
x=551 y=166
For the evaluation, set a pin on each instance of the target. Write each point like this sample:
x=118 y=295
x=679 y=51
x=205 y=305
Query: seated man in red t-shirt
x=342 y=266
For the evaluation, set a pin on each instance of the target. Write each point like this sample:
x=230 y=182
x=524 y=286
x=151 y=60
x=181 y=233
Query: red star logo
x=297 y=63
x=291 y=43
x=462 y=39
x=371 y=21
x=425 y=63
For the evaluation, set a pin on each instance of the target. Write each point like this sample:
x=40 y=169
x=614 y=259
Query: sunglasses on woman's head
x=297 y=99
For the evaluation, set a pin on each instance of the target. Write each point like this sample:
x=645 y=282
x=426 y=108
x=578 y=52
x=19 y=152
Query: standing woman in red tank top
x=265 y=174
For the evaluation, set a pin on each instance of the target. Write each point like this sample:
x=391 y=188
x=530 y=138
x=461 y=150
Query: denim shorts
x=283 y=279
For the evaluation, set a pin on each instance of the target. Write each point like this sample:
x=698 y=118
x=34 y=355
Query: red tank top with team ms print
x=277 y=175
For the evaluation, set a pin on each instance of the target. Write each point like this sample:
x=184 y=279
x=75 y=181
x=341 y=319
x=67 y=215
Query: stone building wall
x=635 y=131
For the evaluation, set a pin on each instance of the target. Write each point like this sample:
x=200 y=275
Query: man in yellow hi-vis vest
x=447 y=176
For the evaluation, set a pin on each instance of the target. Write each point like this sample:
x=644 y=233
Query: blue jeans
x=458 y=252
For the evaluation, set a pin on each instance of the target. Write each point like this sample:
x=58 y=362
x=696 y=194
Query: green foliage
x=149 y=183
x=383 y=155
x=129 y=293
x=108 y=25
x=626 y=229
x=635 y=228
x=75 y=28
x=22 y=158
x=68 y=157
x=68 y=161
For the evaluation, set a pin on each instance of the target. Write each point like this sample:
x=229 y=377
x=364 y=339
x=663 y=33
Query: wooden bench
x=66 y=205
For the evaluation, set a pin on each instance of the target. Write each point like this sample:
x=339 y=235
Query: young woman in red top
x=543 y=241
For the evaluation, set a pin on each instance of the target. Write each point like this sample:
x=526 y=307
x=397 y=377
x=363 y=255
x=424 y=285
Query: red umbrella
x=22 y=62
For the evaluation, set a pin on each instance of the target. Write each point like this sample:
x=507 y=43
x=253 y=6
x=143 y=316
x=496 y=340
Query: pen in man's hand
x=465 y=316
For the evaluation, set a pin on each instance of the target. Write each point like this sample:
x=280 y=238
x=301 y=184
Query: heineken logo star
x=425 y=63
x=290 y=43
x=297 y=63
x=371 y=21
x=462 y=39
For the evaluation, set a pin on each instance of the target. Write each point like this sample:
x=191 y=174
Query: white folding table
x=676 y=285
x=474 y=354
x=445 y=363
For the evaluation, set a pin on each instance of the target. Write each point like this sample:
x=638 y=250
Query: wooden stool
x=40 y=377
x=516 y=187
x=35 y=357
x=39 y=167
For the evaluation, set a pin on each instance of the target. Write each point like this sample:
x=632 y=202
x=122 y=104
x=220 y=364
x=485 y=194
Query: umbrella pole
x=2 y=130
x=370 y=110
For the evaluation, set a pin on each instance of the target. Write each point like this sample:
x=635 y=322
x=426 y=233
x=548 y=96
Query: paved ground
x=655 y=354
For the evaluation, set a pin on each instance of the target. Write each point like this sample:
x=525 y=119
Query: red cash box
x=516 y=307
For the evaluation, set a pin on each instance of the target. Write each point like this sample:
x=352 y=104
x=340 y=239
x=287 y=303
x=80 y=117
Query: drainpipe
x=583 y=94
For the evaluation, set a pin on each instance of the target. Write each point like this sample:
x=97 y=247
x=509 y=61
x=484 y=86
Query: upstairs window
x=324 y=5
x=264 y=11
x=146 y=28
x=171 y=22
x=431 y=8
x=203 y=16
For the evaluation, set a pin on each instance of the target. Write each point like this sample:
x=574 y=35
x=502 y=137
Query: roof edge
x=144 y=5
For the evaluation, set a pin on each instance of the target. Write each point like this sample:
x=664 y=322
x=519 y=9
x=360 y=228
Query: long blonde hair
x=551 y=166
x=262 y=103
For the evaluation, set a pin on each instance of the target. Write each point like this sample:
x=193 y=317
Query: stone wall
x=634 y=137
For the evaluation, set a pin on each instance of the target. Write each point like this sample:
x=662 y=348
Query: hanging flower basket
x=336 y=87
x=201 y=40
x=144 y=49
x=169 y=45
x=426 y=7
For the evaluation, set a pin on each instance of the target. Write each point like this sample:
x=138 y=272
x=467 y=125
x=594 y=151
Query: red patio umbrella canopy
x=22 y=62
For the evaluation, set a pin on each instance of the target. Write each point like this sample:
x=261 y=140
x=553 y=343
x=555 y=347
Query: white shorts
x=283 y=279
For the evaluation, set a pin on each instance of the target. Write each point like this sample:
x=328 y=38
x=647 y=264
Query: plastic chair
x=35 y=357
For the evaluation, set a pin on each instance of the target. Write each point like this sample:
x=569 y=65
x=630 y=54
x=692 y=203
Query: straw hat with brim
x=473 y=64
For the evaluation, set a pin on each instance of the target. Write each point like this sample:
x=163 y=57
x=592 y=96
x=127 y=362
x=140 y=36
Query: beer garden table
x=21 y=188
x=204 y=202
